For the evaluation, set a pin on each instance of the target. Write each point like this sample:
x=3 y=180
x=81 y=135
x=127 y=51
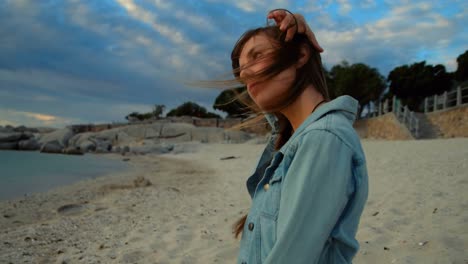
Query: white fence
x=454 y=98
x=402 y=113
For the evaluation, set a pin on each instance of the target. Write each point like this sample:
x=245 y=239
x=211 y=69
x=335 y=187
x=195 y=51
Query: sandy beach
x=417 y=210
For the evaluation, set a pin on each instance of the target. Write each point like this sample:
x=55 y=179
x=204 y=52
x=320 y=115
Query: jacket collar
x=345 y=105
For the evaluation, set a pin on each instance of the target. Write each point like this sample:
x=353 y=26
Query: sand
x=417 y=210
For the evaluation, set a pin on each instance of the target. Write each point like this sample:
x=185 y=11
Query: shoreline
x=36 y=174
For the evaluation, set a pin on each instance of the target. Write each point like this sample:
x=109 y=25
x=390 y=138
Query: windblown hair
x=284 y=55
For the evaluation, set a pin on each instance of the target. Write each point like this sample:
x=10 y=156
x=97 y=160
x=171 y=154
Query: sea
x=23 y=172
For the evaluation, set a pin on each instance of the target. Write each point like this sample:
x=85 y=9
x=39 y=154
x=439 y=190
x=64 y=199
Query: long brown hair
x=284 y=55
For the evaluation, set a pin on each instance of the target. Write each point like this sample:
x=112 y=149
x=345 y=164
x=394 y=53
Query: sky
x=68 y=62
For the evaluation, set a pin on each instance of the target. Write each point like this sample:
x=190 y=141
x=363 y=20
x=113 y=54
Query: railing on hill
x=407 y=117
x=454 y=98
x=402 y=113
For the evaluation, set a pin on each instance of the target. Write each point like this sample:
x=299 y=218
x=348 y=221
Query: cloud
x=393 y=40
x=93 y=61
x=41 y=117
x=15 y=117
x=344 y=7
x=171 y=33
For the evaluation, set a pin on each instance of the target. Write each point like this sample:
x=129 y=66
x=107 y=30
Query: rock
x=184 y=133
x=25 y=129
x=4 y=130
x=207 y=134
x=44 y=130
x=29 y=144
x=73 y=151
x=235 y=136
x=103 y=146
x=141 y=182
x=87 y=146
x=9 y=145
x=423 y=243
x=126 y=149
x=9 y=128
x=12 y=137
x=78 y=139
x=52 y=147
x=61 y=136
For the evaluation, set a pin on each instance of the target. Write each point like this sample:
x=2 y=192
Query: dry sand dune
x=417 y=210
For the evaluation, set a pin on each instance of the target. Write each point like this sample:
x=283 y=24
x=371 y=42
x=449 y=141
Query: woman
x=310 y=185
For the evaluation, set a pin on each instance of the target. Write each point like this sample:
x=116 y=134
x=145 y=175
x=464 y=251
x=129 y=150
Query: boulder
x=142 y=131
x=12 y=137
x=103 y=146
x=52 y=147
x=61 y=136
x=44 y=130
x=5 y=130
x=87 y=146
x=25 y=129
x=236 y=136
x=80 y=138
x=29 y=144
x=8 y=145
x=208 y=134
x=73 y=151
x=125 y=149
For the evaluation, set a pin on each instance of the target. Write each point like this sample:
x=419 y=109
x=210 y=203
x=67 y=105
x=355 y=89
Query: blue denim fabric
x=307 y=197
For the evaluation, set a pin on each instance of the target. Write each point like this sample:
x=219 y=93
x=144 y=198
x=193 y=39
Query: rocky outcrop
x=62 y=136
x=8 y=145
x=17 y=141
x=135 y=139
x=29 y=144
x=52 y=147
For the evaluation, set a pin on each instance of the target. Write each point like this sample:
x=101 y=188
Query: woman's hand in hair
x=286 y=21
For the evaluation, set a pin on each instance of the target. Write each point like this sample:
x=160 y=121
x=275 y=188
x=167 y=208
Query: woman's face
x=270 y=92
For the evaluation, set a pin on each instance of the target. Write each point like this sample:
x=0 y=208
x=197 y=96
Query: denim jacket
x=307 y=197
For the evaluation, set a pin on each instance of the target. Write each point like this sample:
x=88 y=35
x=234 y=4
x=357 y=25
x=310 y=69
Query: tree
x=415 y=82
x=191 y=109
x=461 y=74
x=158 y=110
x=137 y=116
x=226 y=103
x=360 y=81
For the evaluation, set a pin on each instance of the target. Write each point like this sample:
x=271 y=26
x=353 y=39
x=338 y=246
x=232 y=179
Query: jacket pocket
x=267 y=236
x=269 y=216
x=272 y=196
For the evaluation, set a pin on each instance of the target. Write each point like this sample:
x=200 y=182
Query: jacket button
x=266 y=187
x=251 y=226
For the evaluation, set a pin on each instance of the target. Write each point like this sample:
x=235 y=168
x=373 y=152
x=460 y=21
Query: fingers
x=287 y=22
x=304 y=28
x=290 y=34
x=277 y=15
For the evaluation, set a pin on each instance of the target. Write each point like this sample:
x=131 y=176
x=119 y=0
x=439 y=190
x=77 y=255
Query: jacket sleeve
x=314 y=193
